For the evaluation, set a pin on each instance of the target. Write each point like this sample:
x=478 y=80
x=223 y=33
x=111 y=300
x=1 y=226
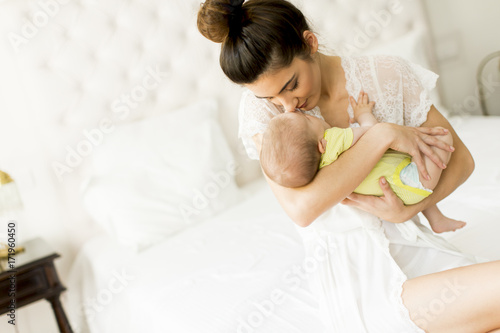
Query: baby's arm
x=362 y=115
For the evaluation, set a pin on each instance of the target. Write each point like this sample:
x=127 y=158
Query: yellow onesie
x=390 y=166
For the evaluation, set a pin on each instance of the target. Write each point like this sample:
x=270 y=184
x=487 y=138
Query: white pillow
x=155 y=177
x=410 y=46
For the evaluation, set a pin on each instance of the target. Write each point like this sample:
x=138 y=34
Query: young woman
x=372 y=273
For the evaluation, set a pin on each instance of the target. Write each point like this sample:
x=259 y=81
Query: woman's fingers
x=354 y=196
x=358 y=200
x=421 y=143
x=429 y=137
x=429 y=152
x=436 y=142
x=419 y=161
x=386 y=189
x=370 y=202
x=348 y=202
x=365 y=98
x=432 y=130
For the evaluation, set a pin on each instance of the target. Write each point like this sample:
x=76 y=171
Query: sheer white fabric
x=358 y=263
x=399 y=88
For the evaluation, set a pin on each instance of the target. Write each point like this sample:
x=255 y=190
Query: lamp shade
x=10 y=200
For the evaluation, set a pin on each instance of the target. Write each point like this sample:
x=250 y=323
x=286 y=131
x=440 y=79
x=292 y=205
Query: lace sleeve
x=400 y=89
x=406 y=87
x=254 y=115
x=417 y=85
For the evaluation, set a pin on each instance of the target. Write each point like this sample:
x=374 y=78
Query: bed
x=160 y=239
x=243 y=269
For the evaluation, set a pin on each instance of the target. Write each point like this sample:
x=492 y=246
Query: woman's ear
x=311 y=40
x=322 y=145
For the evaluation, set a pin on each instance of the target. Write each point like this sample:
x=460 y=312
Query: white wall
x=464 y=32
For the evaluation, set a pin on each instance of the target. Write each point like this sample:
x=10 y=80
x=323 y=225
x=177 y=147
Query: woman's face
x=297 y=86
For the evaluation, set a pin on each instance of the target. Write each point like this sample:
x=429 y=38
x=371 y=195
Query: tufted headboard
x=74 y=62
x=67 y=64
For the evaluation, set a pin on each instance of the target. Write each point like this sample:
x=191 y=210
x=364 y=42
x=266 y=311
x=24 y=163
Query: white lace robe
x=358 y=263
x=400 y=89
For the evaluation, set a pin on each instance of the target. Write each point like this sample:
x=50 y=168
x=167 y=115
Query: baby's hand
x=361 y=107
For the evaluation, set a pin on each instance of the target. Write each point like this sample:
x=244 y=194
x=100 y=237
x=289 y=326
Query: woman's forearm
x=459 y=168
x=336 y=181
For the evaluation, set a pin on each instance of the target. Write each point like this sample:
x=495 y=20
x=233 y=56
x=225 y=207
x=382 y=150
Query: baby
x=296 y=145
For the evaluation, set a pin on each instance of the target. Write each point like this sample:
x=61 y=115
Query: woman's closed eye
x=295 y=86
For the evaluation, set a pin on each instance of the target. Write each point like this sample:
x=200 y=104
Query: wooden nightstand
x=36 y=279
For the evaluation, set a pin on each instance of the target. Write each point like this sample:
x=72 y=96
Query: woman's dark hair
x=256 y=36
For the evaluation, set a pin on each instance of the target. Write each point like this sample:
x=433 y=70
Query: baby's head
x=291 y=148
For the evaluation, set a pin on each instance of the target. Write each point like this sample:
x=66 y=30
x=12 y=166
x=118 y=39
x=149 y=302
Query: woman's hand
x=388 y=207
x=417 y=141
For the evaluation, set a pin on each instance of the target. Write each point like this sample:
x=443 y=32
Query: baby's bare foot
x=445 y=224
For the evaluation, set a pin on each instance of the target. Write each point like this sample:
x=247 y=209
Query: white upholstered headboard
x=68 y=64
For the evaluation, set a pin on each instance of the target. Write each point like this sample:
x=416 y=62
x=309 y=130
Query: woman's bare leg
x=460 y=300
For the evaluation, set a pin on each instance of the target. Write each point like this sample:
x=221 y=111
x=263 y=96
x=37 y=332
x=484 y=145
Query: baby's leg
x=440 y=223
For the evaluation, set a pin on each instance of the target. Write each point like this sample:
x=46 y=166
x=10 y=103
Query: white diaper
x=409 y=176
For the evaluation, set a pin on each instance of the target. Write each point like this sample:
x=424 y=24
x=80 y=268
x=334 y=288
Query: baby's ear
x=322 y=145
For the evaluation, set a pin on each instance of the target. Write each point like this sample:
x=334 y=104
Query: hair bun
x=219 y=18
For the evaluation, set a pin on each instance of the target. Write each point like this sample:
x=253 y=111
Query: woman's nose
x=290 y=104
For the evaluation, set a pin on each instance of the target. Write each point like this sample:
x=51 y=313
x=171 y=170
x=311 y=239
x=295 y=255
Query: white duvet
x=243 y=271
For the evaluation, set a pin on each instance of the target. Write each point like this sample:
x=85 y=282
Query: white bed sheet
x=233 y=273
x=221 y=276
x=477 y=201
